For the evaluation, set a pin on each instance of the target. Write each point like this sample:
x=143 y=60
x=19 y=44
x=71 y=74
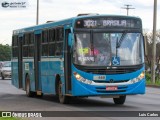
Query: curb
x=154 y=86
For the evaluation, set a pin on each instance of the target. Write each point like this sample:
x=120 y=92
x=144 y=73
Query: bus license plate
x=111 y=88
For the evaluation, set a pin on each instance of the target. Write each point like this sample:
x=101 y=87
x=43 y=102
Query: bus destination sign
x=94 y=23
x=107 y=23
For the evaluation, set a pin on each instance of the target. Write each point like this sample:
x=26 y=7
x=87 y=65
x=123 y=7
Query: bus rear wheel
x=120 y=100
x=62 y=98
x=29 y=93
x=2 y=76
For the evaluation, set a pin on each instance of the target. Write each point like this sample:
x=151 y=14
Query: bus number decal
x=99 y=77
x=90 y=23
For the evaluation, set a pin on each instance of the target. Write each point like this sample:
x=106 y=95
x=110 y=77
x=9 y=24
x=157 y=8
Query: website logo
x=6 y=114
x=16 y=4
x=5 y=4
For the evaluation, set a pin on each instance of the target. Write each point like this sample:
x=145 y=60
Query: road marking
x=153 y=93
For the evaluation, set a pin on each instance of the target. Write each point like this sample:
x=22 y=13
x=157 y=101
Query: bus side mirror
x=145 y=45
x=70 y=39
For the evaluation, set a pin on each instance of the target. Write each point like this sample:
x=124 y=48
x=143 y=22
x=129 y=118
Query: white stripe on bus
x=42 y=60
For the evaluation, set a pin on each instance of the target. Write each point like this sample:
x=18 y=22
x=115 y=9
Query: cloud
x=62 y=9
x=48 y=1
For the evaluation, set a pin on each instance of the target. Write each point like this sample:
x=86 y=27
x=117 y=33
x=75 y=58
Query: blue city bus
x=87 y=55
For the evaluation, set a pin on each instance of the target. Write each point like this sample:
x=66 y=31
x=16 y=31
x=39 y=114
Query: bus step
x=39 y=92
x=68 y=94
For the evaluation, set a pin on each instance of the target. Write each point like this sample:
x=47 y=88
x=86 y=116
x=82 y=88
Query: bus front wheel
x=120 y=100
x=29 y=93
x=62 y=98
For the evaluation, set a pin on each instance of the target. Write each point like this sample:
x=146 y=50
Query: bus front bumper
x=82 y=89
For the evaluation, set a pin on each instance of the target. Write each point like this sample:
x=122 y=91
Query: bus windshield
x=100 y=49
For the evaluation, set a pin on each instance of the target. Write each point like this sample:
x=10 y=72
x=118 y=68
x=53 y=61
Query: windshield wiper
x=118 y=43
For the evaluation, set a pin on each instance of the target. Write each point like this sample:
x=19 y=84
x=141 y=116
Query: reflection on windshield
x=131 y=49
x=100 y=49
x=8 y=64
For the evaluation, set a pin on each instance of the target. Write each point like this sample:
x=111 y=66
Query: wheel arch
x=57 y=79
x=27 y=74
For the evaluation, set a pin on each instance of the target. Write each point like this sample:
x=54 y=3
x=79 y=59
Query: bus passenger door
x=67 y=62
x=37 y=60
x=20 y=61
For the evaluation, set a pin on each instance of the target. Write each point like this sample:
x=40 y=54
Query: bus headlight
x=140 y=77
x=78 y=76
x=81 y=79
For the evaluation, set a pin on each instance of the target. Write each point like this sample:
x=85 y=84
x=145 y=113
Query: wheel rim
x=27 y=88
x=60 y=92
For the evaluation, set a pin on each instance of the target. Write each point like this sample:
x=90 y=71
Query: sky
x=11 y=19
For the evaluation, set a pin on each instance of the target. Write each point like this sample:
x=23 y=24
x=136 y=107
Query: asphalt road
x=13 y=99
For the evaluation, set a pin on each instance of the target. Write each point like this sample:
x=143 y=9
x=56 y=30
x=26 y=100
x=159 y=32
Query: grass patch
x=149 y=82
x=9 y=118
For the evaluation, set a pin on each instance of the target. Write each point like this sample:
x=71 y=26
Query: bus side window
x=14 y=46
x=31 y=45
x=59 y=41
x=25 y=45
x=45 y=43
x=52 y=42
x=52 y=35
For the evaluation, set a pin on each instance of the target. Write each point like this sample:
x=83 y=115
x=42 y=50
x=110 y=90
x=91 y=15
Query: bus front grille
x=109 y=70
x=104 y=81
x=110 y=91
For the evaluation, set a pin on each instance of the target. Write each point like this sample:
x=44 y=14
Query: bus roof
x=65 y=22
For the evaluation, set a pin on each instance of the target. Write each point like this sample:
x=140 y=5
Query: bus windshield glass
x=108 y=49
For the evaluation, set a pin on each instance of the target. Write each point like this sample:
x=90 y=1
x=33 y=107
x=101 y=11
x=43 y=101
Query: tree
x=149 y=41
x=5 y=52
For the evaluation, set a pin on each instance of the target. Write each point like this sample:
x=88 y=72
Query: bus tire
x=2 y=76
x=39 y=96
x=120 y=100
x=29 y=93
x=62 y=98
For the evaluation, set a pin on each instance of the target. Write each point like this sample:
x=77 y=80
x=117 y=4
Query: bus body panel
x=49 y=70
x=82 y=89
x=28 y=65
x=50 y=67
x=15 y=81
